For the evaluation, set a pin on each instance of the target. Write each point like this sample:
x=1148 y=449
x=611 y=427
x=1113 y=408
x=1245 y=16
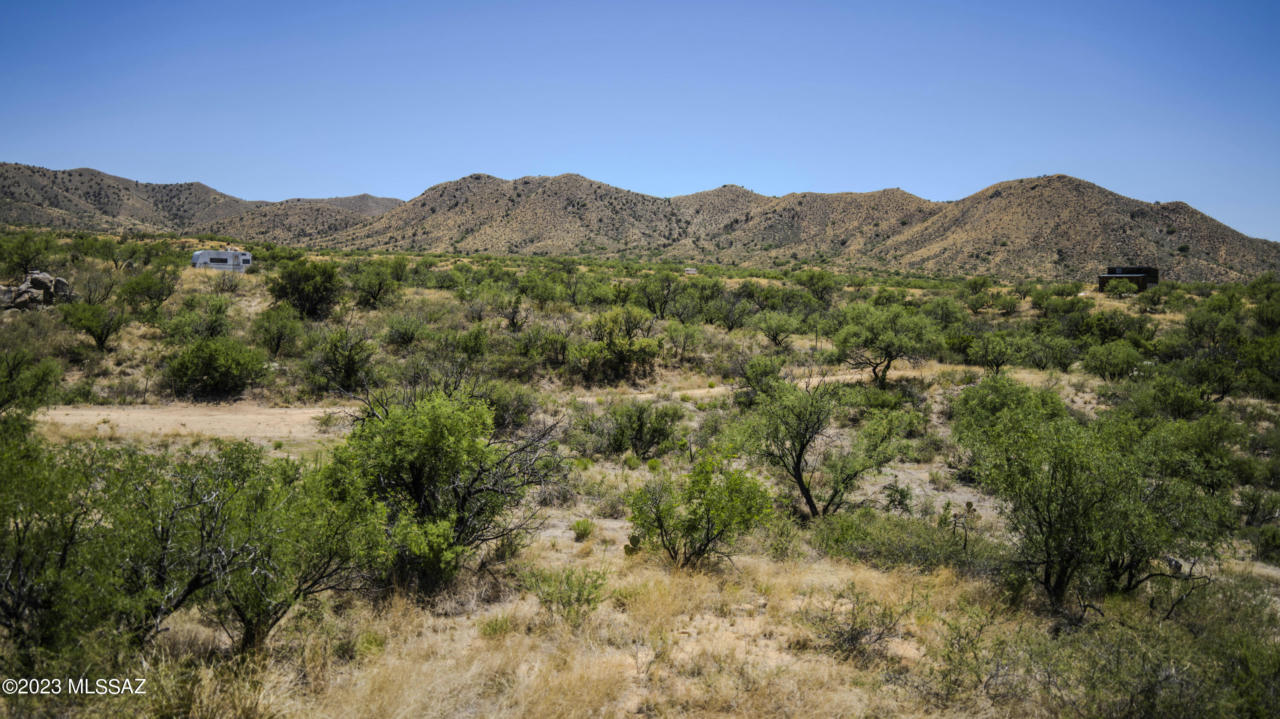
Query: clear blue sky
x=269 y=100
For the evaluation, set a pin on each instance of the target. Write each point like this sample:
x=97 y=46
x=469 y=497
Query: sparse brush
x=970 y=659
x=554 y=494
x=855 y=626
x=570 y=595
x=507 y=548
x=887 y=540
x=329 y=421
x=927 y=448
x=582 y=529
x=498 y=625
x=226 y=283
x=360 y=646
x=782 y=539
x=612 y=505
x=897 y=498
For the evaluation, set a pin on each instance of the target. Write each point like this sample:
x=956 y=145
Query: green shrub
x=1093 y=506
x=969 y=659
x=26 y=251
x=1163 y=395
x=307 y=536
x=313 y=288
x=1150 y=299
x=926 y=449
x=617 y=347
x=341 y=361
x=887 y=541
x=111 y=541
x=1265 y=541
x=760 y=376
x=26 y=383
x=875 y=338
x=991 y=351
x=582 y=529
x=776 y=327
x=1214 y=655
x=147 y=290
x=598 y=362
x=683 y=339
x=1047 y=351
x=570 y=594
x=46 y=601
x=1113 y=361
x=513 y=404
x=225 y=283
x=100 y=322
x=1121 y=288
x=782 y=539
x=975 y=411
x=277 y=330
x=213 y=368
x=648 y=429
x=1006 y=304
x=497 y=626
x=700 y=515
x=374 y=286
x=201 y=317
x=403 y=331
x=785 y=433
x=446 y=485
x=1110 y=325
x=897 y=498
x=862 y=397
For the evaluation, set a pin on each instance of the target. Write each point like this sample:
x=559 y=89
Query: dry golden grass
x=728 y=641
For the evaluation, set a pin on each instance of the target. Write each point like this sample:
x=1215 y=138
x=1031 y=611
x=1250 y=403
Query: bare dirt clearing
x=296 y=427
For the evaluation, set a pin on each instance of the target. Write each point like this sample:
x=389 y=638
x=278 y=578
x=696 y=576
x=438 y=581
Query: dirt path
x=1261 y=569
x=704 y=392
x=297 y=426
x=240 y=420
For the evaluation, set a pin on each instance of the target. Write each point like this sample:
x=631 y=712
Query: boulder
x=41 y=296
x=39 y=289
x=42 y=281
x=26 y=299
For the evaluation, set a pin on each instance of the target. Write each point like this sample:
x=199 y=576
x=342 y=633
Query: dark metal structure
x=1143 y=277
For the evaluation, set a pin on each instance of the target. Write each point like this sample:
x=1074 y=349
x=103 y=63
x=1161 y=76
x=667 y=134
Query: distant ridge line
x=1052 y=227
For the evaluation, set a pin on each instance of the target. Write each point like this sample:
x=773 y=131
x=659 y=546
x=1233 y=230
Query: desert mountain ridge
x=1054 y=227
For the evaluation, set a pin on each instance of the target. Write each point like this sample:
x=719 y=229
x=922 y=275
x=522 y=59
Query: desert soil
x=239 y=420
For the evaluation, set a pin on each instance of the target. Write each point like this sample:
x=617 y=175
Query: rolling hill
x=1052 y=227
x=93 y=200
x=89 y=199
x=1045 y=226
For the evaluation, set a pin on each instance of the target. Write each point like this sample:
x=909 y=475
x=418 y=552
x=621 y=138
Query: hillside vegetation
x=1054 y=227
x=603 y=487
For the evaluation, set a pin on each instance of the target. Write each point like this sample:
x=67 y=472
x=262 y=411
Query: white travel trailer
x=233 y=260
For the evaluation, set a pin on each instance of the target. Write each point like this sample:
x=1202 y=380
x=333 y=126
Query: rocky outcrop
x=39 y=289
